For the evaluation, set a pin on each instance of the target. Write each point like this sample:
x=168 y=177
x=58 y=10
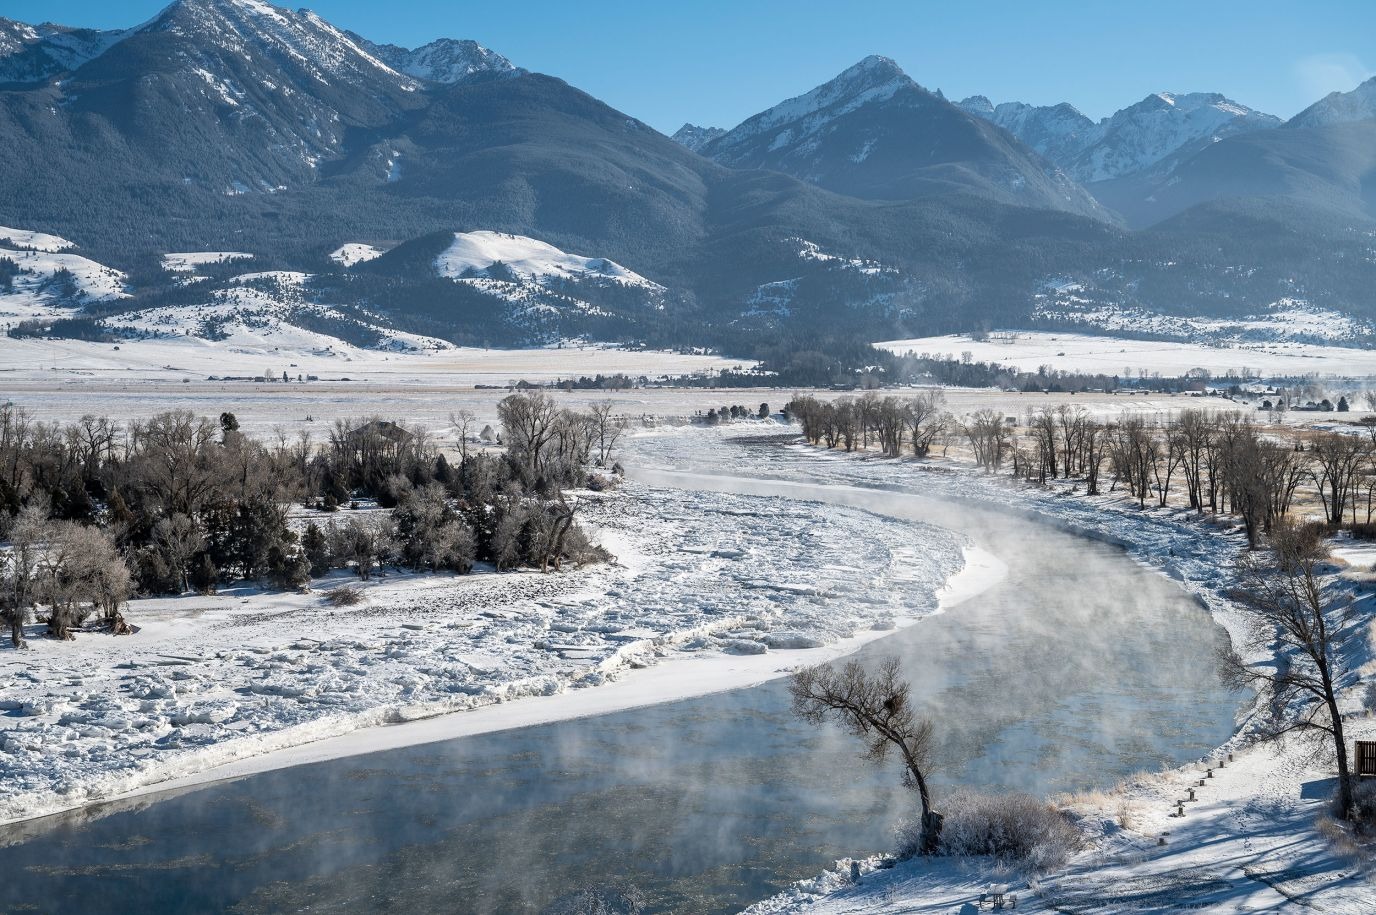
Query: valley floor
x=1127 y=357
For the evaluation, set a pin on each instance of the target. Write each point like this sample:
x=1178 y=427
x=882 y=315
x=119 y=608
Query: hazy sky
x=716 y=62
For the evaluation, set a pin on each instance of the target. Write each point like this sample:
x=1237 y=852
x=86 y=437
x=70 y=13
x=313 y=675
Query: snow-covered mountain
x=1161 y=126
x=1339 y=108
x=222 y=128
x=694 y=137
x=873 y=132
x=34 y=53
x=446 y=60
x=1058 y=132
x=300 y=43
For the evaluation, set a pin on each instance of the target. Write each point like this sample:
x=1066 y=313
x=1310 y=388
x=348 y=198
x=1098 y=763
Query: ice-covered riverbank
x=711 y=590
x=1249 y=842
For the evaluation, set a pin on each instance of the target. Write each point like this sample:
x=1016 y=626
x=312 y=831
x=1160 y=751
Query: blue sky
x=716 y=62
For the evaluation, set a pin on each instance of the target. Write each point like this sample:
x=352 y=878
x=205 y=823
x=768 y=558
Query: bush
x=344 y=596
x=1016 y=828
x=1363 y=812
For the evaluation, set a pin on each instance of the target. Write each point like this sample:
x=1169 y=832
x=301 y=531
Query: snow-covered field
x=1029 y=350
x=1285 y=320
x=192 y=359
x=702 y=581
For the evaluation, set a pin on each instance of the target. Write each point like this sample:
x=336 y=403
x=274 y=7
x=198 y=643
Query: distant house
x=376 y=429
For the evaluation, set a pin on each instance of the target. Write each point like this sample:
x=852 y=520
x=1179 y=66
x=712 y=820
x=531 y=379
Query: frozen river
x=1077 y=668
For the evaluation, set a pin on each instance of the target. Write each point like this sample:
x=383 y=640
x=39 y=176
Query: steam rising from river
x=1078 y=668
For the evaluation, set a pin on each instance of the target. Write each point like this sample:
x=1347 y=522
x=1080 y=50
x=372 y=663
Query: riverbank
x=710 y=592
x=1252 y=840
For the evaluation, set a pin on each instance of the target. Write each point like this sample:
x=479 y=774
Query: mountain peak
x=977 y=104
x=444 y=60
x=1159 y=127
x=875 y=63
x=1339 y=107
x=299 y=41
x=694 y=137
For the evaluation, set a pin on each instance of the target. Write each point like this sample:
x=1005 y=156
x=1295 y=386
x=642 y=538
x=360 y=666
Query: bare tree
x=21 y=570
x=1337 y=460
x=607 y=429
x=366 y=541
x=988 y=436
x=530 y=421
x=463 y=422
x=177 y=540
x=1292 y=615
x=876 y=708
x=925 y=420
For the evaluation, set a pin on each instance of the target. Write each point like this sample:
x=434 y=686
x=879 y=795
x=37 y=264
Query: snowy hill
x=475 y=254
x=33 y=241
x=188 y=261
x=352 y=253
x=272 y=311
x=1058 y=132
x=45 y=271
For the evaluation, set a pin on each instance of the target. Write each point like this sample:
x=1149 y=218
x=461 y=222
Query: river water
x=1076 y=669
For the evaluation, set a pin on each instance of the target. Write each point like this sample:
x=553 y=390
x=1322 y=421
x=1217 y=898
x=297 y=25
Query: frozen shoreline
x=433 y=658
x=1248 y=843
x=672 y=679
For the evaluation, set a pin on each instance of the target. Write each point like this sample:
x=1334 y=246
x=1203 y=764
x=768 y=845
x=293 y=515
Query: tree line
x=1217 y=462
x=97 y=510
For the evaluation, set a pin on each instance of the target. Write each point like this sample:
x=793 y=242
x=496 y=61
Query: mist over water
x=1078 y=668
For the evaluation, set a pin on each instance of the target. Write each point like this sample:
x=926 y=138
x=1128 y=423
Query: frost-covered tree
x=1295 y=616
x=876 y=707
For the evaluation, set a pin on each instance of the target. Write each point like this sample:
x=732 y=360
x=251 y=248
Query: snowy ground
x=1029 y=350
x=187 y=359
x=1248 y=843
x=704 y=582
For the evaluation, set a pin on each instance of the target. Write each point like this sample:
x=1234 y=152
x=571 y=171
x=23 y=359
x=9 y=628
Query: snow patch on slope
x=1291 y=320
x=39 y=270
x=34 y=241
x=476 y=252
x=348 y=255
x=188 y=261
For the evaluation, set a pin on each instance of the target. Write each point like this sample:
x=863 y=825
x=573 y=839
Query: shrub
x=1363 y=813
x=1016 y=828
x=344 y=596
